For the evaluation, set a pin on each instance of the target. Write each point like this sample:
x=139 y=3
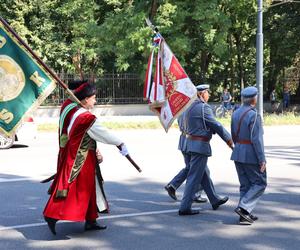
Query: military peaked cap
x=202 y=87
x=249 y=92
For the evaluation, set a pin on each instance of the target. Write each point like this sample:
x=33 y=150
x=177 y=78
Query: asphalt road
x=142 y=215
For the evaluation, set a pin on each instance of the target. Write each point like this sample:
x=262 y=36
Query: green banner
x=24 y=84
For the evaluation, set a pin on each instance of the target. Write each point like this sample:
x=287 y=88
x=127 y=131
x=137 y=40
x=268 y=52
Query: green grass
x=269 y=120
x=134 y=125
x=282 y=119
x=272 y=119
x=49 y=127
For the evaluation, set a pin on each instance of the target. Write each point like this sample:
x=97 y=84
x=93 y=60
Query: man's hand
x=230 y=144
x=263 y=167
x=123 y=150
x=99 y=156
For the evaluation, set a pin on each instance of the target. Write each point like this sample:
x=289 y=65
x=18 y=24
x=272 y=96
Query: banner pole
x=154 y=28
x=57 y=79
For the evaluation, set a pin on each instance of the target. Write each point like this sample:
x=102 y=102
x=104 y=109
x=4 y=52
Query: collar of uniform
x=249 y=106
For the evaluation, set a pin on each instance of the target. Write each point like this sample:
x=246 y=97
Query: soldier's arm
x=216 y=126
x=256 y=133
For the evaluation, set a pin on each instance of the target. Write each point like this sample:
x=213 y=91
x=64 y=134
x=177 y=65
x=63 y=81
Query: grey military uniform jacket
x=199 y=120
x=250 y=134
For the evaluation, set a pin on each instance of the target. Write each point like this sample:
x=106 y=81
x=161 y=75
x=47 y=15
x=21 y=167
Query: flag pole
x=154 y=28
x=57 y=79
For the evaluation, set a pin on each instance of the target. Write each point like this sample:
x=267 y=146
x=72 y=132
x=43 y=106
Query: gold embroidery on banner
x=171 y=83
x=42 y=96
x=6 y=116
x=2 y=41
x=37 y=79
x=12 y=78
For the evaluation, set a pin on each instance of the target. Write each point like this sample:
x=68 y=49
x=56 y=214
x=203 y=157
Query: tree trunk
x=205 y=60
x=153 y=10
x=231 y=66
x=240 y=60
x=273 y=72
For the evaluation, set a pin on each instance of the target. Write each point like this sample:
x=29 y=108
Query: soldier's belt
x=198 y=138
x=244 y=142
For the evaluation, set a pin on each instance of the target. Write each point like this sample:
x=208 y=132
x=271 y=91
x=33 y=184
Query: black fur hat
x=74 y=84
x=85 y=90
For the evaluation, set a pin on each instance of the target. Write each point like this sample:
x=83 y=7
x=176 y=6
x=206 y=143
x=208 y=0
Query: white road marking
x=34 y=178
x=170 y=202
x=15 y=179
x=102 y=218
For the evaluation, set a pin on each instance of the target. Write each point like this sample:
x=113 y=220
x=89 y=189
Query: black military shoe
x=244 y=214
x=51 y=224
x=171 y=192
x=188 y=212
x=242 y=221
x=199 y=200
x=93 y=225
x=220 y=202
x=253 y=217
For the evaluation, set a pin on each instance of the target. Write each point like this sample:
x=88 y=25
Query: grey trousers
x=252 y=184
x=196 y=165
x=178 y=179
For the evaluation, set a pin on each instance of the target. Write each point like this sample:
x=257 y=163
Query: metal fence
x=114 y=88
x=127 y=88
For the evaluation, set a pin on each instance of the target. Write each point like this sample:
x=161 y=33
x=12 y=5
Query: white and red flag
x=170 y=91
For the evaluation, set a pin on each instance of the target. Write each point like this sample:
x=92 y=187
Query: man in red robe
x=67 y=110
x=73 y=192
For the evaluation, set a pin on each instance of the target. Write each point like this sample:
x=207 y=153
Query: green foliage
x=213 y=40
x=282 y=40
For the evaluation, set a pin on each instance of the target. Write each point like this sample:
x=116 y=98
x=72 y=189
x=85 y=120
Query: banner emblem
x=12 y=78
x=24 y=82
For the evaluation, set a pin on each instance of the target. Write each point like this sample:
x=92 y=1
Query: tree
x=213 y=40
x=282 y=36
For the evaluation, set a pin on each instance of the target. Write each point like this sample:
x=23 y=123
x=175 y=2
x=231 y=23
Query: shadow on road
x=283 y=152
x=22 y=203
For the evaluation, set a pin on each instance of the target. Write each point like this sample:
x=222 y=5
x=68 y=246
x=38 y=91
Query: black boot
x=220 y=202
x=244 y=214
x=51 y=224
x=171 y=192
x=242 y=221
x=93 y=225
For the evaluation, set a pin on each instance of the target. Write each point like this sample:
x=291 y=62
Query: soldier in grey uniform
x=178 y=179
x=199 y=126
x=248 y=154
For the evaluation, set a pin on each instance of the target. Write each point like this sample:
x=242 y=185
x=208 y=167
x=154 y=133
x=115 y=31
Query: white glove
x=124 y=150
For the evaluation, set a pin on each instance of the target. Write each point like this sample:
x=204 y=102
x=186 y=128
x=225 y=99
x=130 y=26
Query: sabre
x=48 y=179
x=119 y=147
x=131 y=161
